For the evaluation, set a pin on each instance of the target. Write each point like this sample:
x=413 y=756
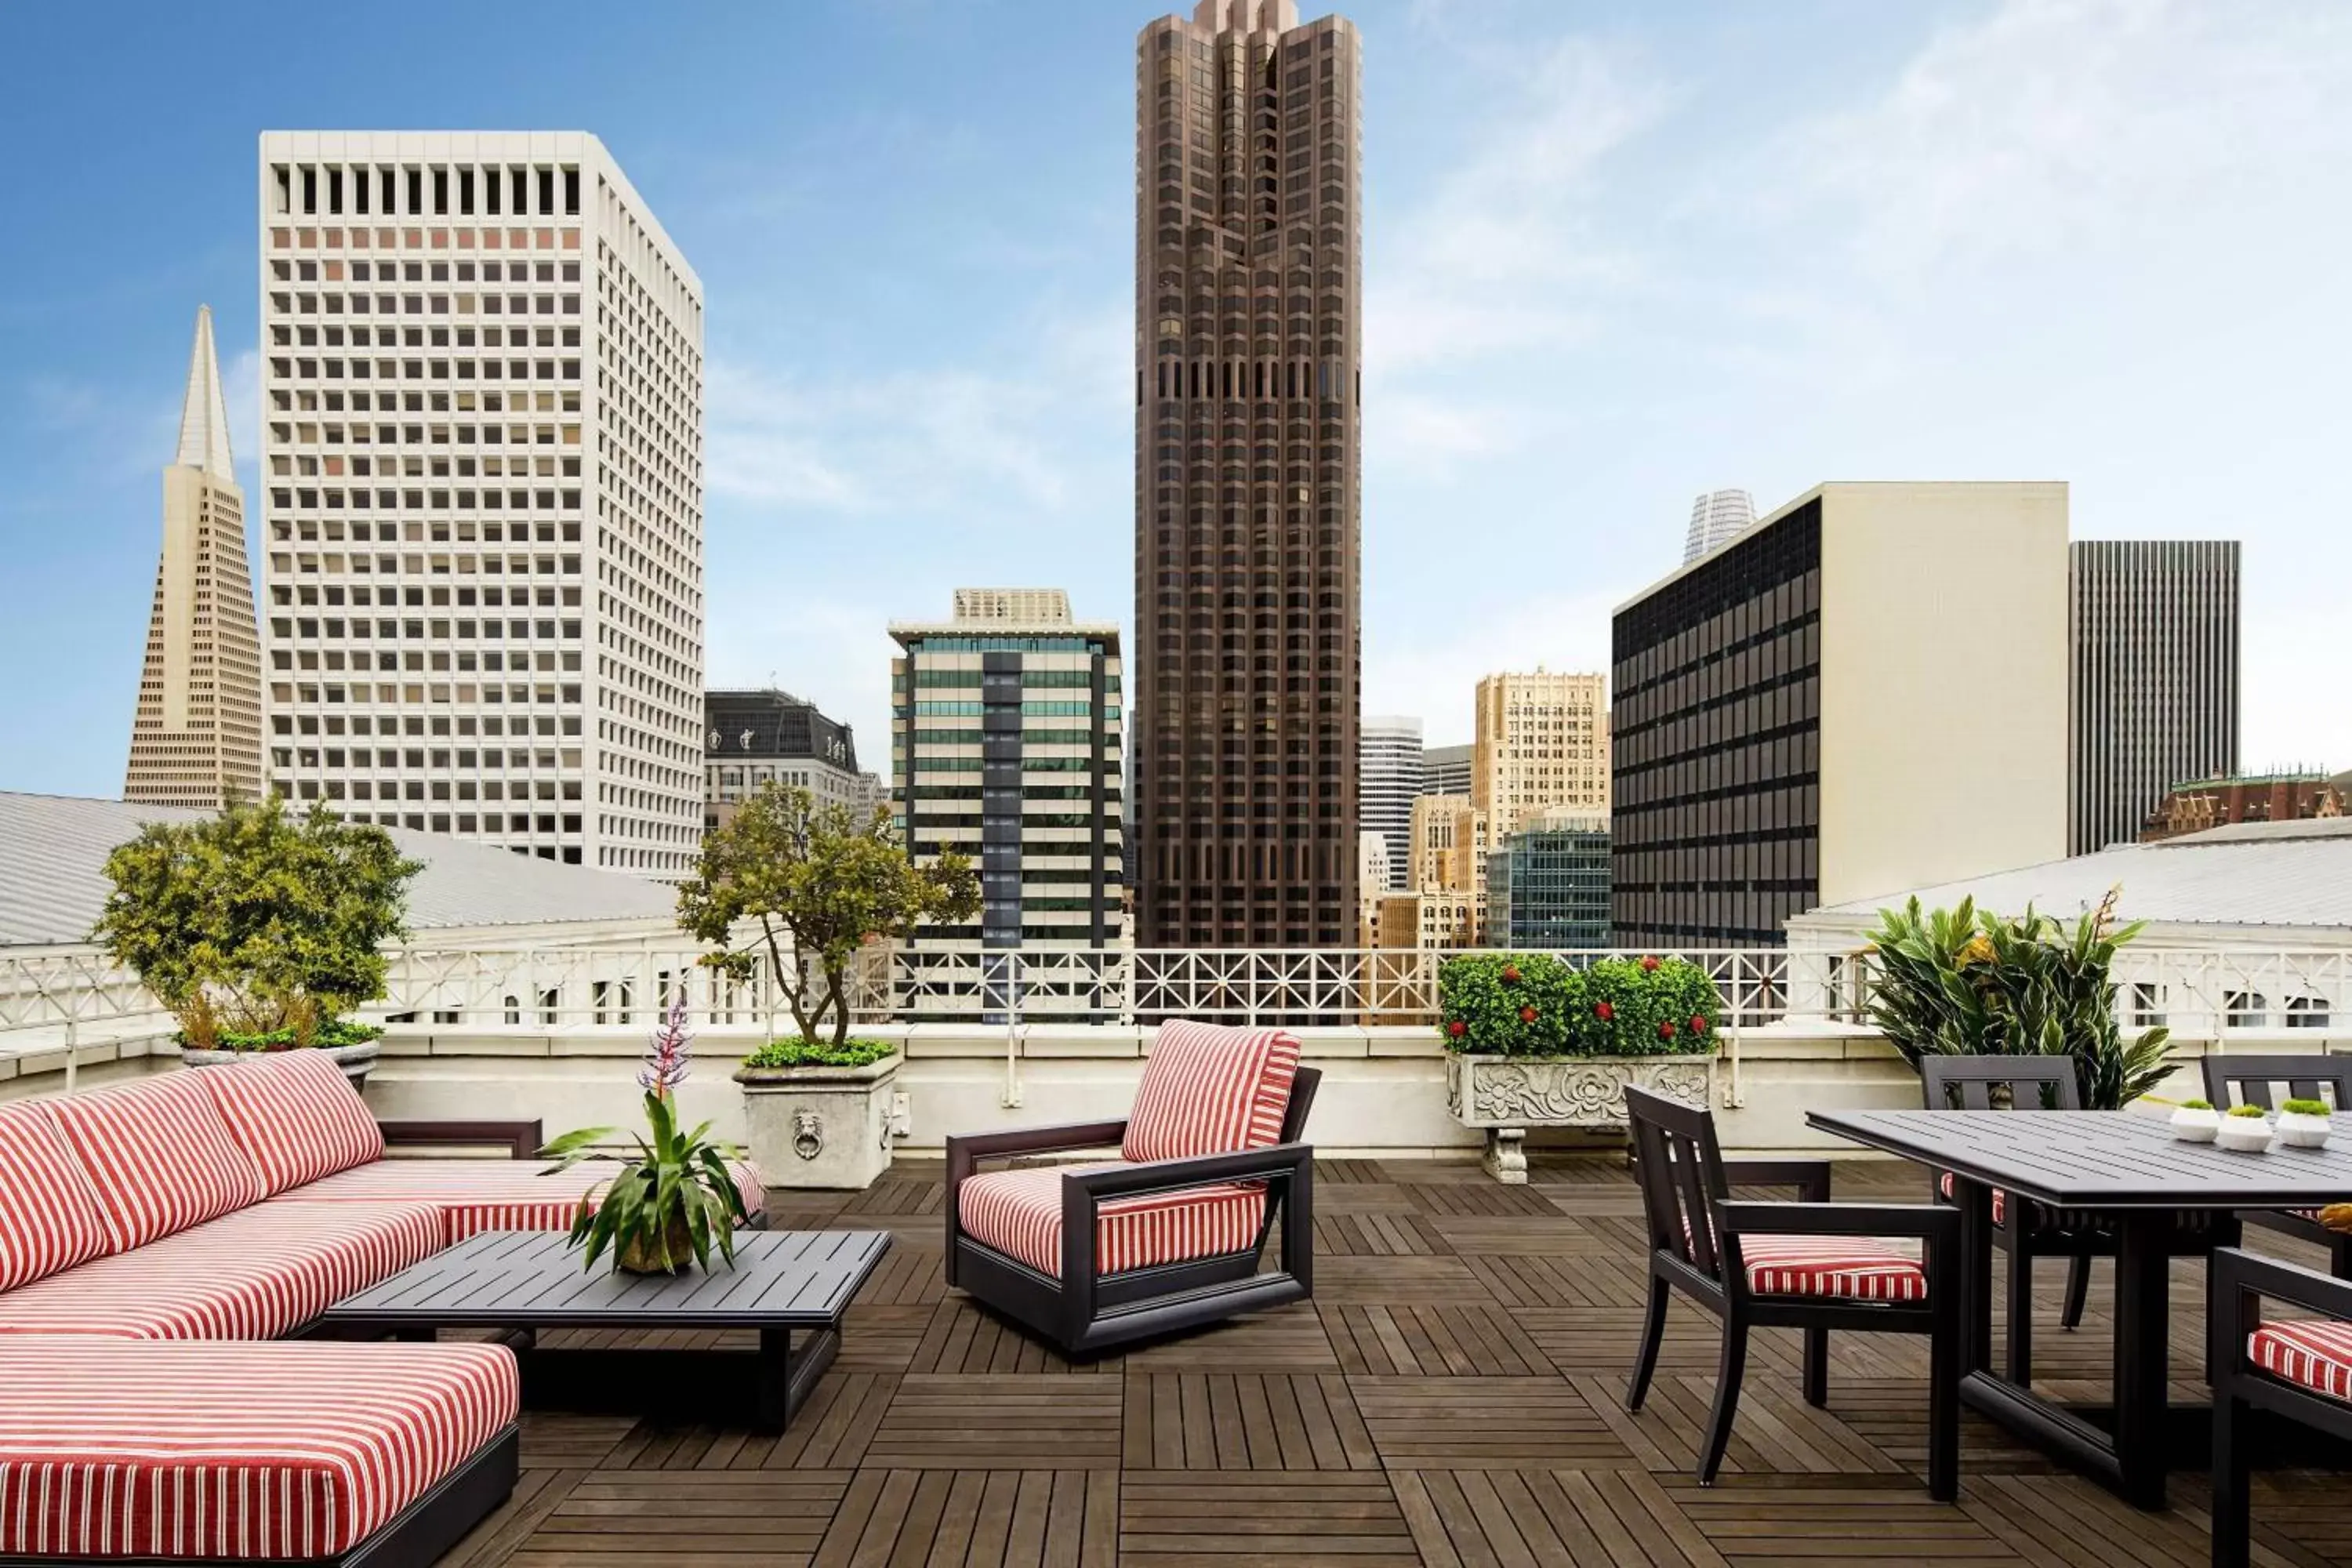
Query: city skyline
x=1445 y=104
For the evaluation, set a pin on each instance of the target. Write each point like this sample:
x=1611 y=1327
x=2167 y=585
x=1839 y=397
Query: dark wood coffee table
x=528 y=1280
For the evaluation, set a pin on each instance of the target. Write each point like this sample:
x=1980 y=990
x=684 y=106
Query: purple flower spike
x=665 y=1057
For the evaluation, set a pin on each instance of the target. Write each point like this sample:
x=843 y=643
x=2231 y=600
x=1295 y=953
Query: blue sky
x=1614 y=255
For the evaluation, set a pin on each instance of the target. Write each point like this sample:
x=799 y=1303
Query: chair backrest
x=2252 y=1077
x=1680 y=1167
x=1968 y=1083
x=1210 y=1089
x=1303 y=1085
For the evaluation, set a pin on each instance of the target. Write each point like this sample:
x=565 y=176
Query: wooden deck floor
x=1451 y=1397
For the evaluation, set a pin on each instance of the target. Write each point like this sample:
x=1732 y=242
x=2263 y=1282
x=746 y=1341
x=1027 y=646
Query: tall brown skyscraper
x=1248 y=398
x=195 y=737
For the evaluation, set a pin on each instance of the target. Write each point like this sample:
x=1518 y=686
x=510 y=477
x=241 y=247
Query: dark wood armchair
x=2298 y=1369
x=2249 y=1080
x=1094 y=1255
x=1811 y=1265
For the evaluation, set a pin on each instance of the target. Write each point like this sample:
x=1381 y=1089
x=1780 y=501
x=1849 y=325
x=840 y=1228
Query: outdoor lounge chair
x=2297 y=1369
x=1811 y=1265
x=1169 y=1237
x=2305 y=1076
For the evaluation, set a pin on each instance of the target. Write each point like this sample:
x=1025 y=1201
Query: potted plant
x=2303 y=1124
x=1967 y=981
x=1535 y=1042
x=666 y=1208
x=813 y=885
x=2244 y=1131
x=2195 y=1121
x=259 y=930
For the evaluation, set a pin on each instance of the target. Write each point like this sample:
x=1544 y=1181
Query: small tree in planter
x=811 y=885
x=257 y=929
x=1536 y=1042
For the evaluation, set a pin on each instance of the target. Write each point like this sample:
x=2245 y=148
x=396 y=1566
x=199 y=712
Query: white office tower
x=481 y=383
x=1714 y=518
x=1389 y=775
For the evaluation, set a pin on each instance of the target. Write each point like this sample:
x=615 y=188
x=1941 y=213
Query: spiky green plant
x=1965 y=982
x=675 y=1197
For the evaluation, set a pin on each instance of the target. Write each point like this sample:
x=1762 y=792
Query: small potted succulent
x=2195 y=1121
x=666 y=1208
x=2245 y=1130
x=2303 y=1123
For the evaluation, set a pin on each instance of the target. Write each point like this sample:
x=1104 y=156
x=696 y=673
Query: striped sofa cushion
x=295 y=1114
x=1210 y=1089
x=254 y=1274
x=297 y=1451
x=49 y=1215
x=1859 y=1268
x=473 y=1195
x=2316 y=1353
x=158 y=1153
x=1019 y=1213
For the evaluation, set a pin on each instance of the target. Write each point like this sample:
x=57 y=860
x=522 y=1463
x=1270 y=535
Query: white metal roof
x=53 y=884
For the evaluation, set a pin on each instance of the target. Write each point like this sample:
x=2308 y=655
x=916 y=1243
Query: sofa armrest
x=1287 y=1169
x=1206 y=1170
x=521 y=1140
x=966 y=1151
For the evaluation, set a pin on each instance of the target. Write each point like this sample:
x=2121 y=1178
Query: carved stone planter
x=1505 y=1096
x=820 y=1127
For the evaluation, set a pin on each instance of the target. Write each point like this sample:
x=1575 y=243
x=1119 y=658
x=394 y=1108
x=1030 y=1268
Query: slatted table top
x=530 y=1279
x=2103 y=1159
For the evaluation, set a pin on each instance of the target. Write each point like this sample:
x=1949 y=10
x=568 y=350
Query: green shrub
x=332 y=1035
x=2196 y=1105
x=2249 y=1110
x=1535 y=1004
x=820 y=1054
x=2304 y=1107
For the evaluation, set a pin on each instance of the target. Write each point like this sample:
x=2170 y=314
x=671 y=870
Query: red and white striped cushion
x=2317 y=1354
x=254 y=1274
x=473 y=1195
x=1210 y=1089
x=1860 y=1269
x=49 y=1215
x=299 y=1450
x=1019 y=1213
x=2000 y=1198
x=295 y=1114
x=158 y=1153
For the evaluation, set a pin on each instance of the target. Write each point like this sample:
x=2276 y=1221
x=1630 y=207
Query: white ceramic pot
x=2191 y=1125
x=2244 y=1134
x=2299 y=1129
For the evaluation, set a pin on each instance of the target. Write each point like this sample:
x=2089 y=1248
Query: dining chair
x=1812 y=1265
x=2295 y=1369
x=2250 y=1080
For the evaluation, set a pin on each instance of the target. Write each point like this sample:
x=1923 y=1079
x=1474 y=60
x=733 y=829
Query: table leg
x=2143 y=1323
x=785 y=1379
x=1974 y=1200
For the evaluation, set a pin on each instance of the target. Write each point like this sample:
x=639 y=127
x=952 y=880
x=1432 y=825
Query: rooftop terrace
x=1451 y=1397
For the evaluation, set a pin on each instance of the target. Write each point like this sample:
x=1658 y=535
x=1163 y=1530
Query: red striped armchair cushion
x=158 y=1153
x=299 y=1450
x=1019 y=1213
x=49 y=1215
x=1858 y=1268
x=473 y=1195
x=295 y=1114
x=2316 y=1354
x=252 y=1275
x=1210 y=1089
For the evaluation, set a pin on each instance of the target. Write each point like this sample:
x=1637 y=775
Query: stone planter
x=355 y=1060
x=1505 y=1096
x=820 y=1127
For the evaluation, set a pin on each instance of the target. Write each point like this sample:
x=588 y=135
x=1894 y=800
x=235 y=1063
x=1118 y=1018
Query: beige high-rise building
x=1543 y=742
x=1450 y=840
x=195 y=740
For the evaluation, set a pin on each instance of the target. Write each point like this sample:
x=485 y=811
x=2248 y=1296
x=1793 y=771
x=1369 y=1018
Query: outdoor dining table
x=2126 y=1168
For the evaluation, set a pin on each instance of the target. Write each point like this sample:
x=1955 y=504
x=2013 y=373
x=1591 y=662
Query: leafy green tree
x=256 y=922
x=1967 y=981
x=812 y=885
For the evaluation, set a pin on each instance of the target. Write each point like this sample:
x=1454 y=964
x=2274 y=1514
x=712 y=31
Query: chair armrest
x=1932 y=1221
x=2236 y=1270
x=521 y=1139
x=966 y=1152
x=1206 y=1170
x=1809 y=1177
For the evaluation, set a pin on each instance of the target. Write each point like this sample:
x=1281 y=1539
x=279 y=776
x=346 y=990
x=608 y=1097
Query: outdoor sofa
x=159 y=1239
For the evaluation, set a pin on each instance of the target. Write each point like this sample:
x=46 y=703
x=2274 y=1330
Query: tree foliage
x=1967 y=981
x=811 y=884
x=1536 y=1004
x=255 y=921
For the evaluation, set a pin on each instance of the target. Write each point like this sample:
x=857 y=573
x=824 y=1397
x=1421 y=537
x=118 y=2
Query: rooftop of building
x=53 y=885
